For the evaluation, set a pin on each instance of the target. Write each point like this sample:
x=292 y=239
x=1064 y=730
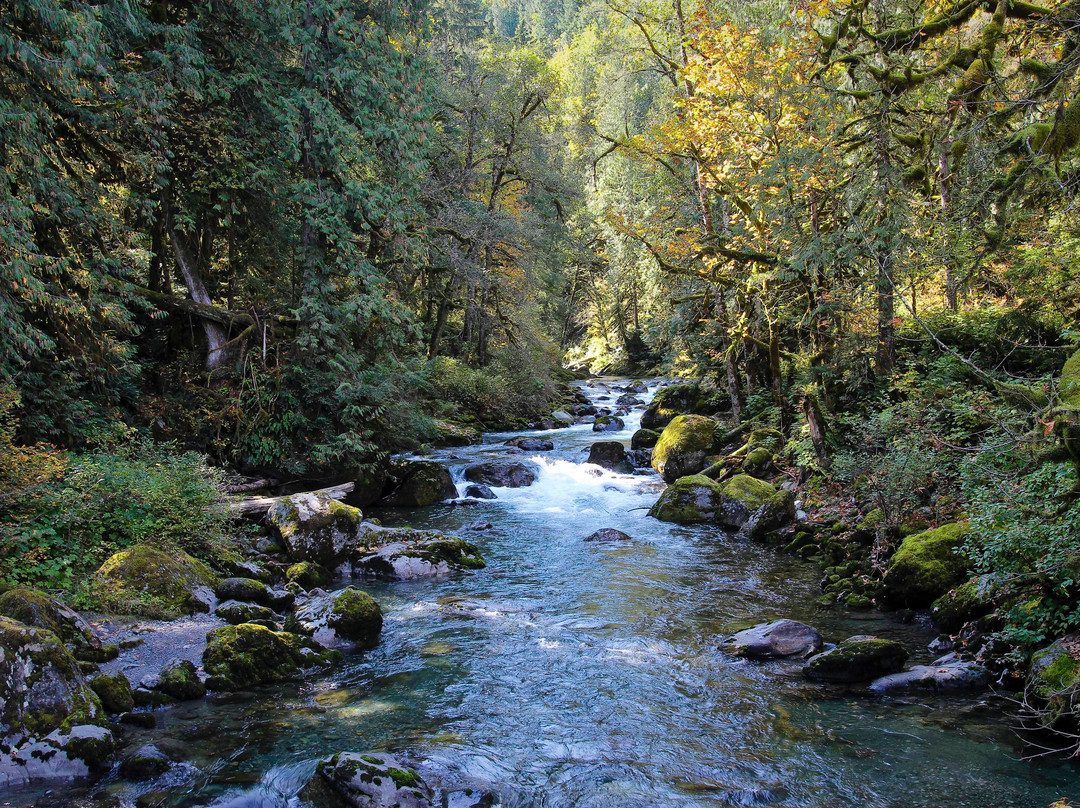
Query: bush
x=498 y=396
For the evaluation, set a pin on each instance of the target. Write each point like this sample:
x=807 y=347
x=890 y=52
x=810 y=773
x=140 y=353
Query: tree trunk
x=188 y=265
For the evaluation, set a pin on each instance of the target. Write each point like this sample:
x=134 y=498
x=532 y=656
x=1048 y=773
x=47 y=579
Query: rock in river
x=477 y=491
x=420 y=483
x=315 y=527
x=941 y=676
x=781 y=638
x=856 y=659
x=608 y=534
x=608 y=423
x=345 y=619
x=501 y=475
x=611 y=455
x=371 y=780
x=237 y=657
x=404 y=554
x=531 y=444
x=926 y=566
x=173 y=580
x=683 y=446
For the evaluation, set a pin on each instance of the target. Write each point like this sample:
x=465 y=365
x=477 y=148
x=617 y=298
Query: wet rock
x=640 y=458
x=237 y=657
x=407 y=554
x=501 y=475
x=778 y=510
x=611 y=455
x=372 y=780
x=856 y=659
x=145 y=763
x=140 y=720
x=308 y=575
x=947 y=676
x=629 y=400
x=280 y=600
x=1054 y=677
x=480 y=524
x=38 y=610
x=644 y=439
x=344 y=620
x=114 y=690
x=480 y=492
x=781 y=638
x=173 y=581
x=248 y=569
x=247 y=590
x=608 y=423
x=468 y=798
x=315 y=527
x=925 y=567
x=608 y=534
x=670 y=402
x=972 y=599
x=63 y=754
x=181 y=681
x=420 y=483
x=531 y=444
x=689 y=500
x=683 y=446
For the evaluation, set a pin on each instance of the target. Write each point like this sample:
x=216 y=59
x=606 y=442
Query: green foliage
x=500 y=397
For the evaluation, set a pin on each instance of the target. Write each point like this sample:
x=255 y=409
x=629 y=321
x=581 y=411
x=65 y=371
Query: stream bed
x=573 y=673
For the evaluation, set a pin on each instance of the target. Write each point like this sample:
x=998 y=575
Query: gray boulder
x=402 y=554
x=370 y=780
x=608 y=423
x=344 y=620
x=944 y=675
x=531 y=444
x=315 y=527
x=419 y=483
x=608 y=534
x=478 y=491
x=856 y=659
x=775 y=640
x=501 y=475
x=610 y=454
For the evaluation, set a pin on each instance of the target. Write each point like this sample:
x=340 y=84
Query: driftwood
x=248 y=487
x=252 y=505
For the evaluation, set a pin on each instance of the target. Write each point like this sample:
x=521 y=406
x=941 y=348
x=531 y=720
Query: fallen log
x=252 y=505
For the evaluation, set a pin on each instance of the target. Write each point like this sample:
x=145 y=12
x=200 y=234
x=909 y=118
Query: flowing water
x=573 y=673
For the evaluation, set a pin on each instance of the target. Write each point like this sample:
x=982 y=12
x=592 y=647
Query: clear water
x=572 y=673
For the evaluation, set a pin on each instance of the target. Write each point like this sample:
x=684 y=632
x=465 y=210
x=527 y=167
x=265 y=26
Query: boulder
x=744 y=495
x=610 y=454
x=925 y=567
x=758 y=463
x=640 y=458
x=308 y=575
x=608 y=534
x=145 y=763
x=644 y=439
x=781 y=638
x=769 y=440
x=856 y=659
x=501 y=475
x=477 y=491
x=345 y=619
x=114 y=690
x=689 y=500
x=420 y=483
x=36 y=609
x=629 y=400
x=371 y=780
x=683 y=446
x=235 y=612
x=971 y=600
x=246 y=590
x=238 y=657
x=531 y=444
x=669 y=402
x=608 y=423
x=1054 y=676
x=936 y=678
x=179 y=680
x=402 y=554
x=63 y=754
x=315 y=527
x=449 y=433
x=778 y=510
x=172 y=581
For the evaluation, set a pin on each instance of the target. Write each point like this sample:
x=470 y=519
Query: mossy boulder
x=743 y=495
x=679 y=399
x=41 y=687
x=235 y=612
x=37 y=609
x=308 y=574
x=403 y=554
x=180 y=680
x=419 y=483
x=148 y=580
x=372 y=780
x=973 y=599
x=758 y=463
x=345 y=620
x=449 y=433
x=247 y=590
x=114 y=690
x=856 y=659
x=608 y=423
x=771 y=440
x=644 y=439
x=683 y=446
x=246 y=655
x=145 y=763
x=315 y=527
x=610 y=454
x=688 y=501
x=776 y=512
x=926 y=566
x=1054 y=677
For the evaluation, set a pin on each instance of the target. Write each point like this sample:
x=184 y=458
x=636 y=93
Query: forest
x=262 y=248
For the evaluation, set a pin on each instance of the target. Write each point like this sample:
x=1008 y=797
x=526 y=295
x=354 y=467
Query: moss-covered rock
x=345 y=620
x=148 y=580
x=247 y=590
x=972 y=599
x=180 y=680
x=856 y=659
x=41 y=687
x=308 y=575
x=1054 y=678
x=608 y=423
x=145 y=763
x=688 y=501
x=235 y=612
x=926 y=566
x=610 y=454
x=37 y=609
x=683 y=446
x=371 y=780
x=669 y=402
x=63 y=754
x=742 y=496
x=405 y=554
x=644 y=439
x=420 y=483
x=315 y=527
x=246 y=655
x=758 y=463
x=776 y=512
x=114 y=690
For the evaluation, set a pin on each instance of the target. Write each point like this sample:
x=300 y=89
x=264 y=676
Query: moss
x=758 y=462
x=356 y=616
x=1056 y=668
x=40 y=611
x=970 y=600
x=769 y=439
x=180 y=680
x=747 y=490
x=236 y=612
x=1069 y=383
x=242 y=656
x=247 y=590
x=455 y=552
x=403 y=778
x=857 y=659
x=644 y=439
x=308 y=574
x=683 y=446
x=148 y=580
x=926 y=566
x=912 y=525
x=689 y=500
x=114 y=690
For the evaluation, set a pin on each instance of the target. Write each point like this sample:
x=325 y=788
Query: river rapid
x=573 y=673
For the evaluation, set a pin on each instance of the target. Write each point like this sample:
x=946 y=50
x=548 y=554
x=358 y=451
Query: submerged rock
x=683 y=446
x=173 y=579
x=407 y=554
x=780 y=638
x=941 y=676
x=344 y=620
x=315 y=527
x=856 y=659
x=608 y=534
x=371 y=780
x=501 y=475
x=925 y=567
x=611 y=455
x=420 y=483
x=531 y=444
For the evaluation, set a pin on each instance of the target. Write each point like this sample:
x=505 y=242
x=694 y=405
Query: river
x=573 y=673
